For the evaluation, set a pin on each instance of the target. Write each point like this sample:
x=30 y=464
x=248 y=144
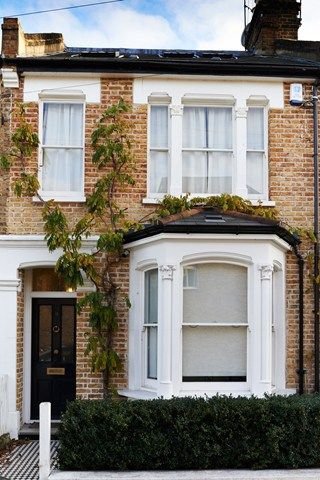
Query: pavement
x=22 y=464
x=312 y=474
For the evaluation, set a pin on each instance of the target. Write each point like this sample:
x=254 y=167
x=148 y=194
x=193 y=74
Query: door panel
x=53 y=354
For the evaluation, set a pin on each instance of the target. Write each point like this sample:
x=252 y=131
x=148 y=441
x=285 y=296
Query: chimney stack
x=17 y=43
x=11 y=31
x=272 y=20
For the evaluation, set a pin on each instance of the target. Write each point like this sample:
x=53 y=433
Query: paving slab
x=306 y=474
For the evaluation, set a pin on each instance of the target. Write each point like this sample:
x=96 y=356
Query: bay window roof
x=214 y=221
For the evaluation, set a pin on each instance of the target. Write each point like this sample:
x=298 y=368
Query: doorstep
x=30 y=431
x=305 y=474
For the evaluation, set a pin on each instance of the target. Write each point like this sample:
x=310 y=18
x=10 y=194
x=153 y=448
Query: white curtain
x=62 y=142
x=214 y=352
x=159 y=149
x=255 y=153
x=255 y=129
x=220 y=297
x=204 y=171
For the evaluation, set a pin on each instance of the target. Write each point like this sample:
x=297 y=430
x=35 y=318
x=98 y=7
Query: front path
x=22 y=463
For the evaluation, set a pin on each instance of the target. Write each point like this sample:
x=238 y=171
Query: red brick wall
x=291 y=187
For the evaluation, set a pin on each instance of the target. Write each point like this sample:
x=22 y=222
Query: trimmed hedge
x=191 y=433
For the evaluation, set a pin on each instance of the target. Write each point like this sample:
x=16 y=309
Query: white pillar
x=176 y=112
x=44 y=440
x=165 y=335
x=266 y=327
x=241 y=151
x=8 y=349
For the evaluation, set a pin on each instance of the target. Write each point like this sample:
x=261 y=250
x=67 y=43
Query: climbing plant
x=113 y=158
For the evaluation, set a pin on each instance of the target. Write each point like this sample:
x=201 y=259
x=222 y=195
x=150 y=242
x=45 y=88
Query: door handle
x=56 y=329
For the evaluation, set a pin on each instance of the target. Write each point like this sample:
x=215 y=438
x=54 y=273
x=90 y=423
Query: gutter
x=301 y=370
x=161 y=66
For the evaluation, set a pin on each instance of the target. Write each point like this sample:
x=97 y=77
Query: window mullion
x=240 y=177
x=175 y=149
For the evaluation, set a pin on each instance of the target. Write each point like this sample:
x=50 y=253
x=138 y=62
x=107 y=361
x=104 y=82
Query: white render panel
x=17 y=251
x=35 y=84
x=242 y=90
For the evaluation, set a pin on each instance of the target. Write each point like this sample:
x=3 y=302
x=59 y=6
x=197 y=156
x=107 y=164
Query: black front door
x=53 y=354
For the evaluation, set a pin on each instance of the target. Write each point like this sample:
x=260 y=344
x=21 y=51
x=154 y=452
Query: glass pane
x=152 y=352
x=214 y=354
x=45 y=331
x=159 y=127
x=46 y=280
x=158 y=172
x=194 y=127
x=62 y=169
x=67 y=337
x=207 y=127
x=220 y=172
x=255 y=129
x=190 y=277
x=255 y=173
x=151 y=296
x=63 y=124
x=219 y=128
x=221 y=296
x=194 y=172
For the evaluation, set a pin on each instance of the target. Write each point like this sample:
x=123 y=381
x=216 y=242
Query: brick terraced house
x=218 y=303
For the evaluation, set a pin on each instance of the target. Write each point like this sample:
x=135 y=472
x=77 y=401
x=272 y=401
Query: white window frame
x=239 y=133
x=158 y=100
x=217 y=386
x=216 y=105
x=262 y=103
x=146 y=381
x=60 y=97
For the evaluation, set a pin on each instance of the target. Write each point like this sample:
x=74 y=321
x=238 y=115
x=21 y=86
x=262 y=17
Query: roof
x=214 y=221
x=193 y=62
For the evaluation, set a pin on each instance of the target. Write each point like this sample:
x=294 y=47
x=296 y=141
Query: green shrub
x=191 y=433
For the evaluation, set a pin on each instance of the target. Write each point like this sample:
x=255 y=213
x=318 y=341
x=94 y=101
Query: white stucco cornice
x=38 y=241
x=10 y=285
x=271 y=239
x=10 y=78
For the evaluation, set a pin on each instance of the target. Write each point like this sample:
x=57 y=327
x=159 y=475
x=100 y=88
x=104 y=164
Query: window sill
x=138 y=394
x=255 y=203
x=77 y=198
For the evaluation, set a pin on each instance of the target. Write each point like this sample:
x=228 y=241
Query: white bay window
x=62 y=146
x=203 y=314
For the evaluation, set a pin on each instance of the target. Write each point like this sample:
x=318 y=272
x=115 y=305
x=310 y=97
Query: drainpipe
x=301 y=370
x=316 y=234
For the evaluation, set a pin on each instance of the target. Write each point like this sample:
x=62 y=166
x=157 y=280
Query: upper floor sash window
x=62 y=148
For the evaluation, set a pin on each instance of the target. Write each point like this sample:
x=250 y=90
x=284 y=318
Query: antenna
x=248 y=7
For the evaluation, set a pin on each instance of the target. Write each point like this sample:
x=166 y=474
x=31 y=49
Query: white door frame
x=27 y=336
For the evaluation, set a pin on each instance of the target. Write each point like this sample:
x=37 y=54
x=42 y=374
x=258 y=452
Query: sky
x=167 y=24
